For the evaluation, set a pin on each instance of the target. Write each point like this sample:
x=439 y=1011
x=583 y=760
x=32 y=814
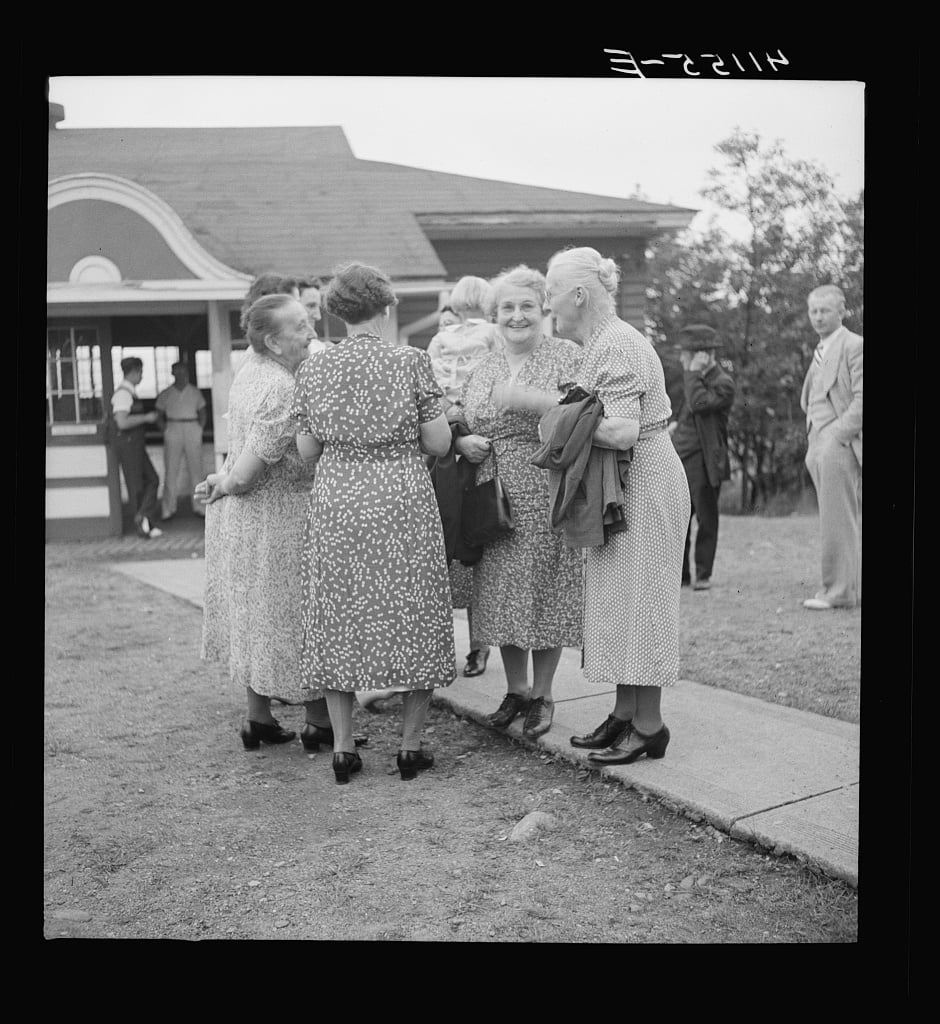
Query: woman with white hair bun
x=632 y=581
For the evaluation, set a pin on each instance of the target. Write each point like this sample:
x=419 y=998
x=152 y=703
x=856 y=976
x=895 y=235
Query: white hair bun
x=609 y=274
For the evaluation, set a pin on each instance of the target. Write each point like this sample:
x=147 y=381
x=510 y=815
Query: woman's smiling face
x=518 y=315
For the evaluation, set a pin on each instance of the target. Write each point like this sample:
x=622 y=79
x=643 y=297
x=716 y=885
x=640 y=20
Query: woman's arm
x=310 y=447
x=616 y=432
x=434 y=436
x=511 y=396
x=128 y=420
x=246 y=471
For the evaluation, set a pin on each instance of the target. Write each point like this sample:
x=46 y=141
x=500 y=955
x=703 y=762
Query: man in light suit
x=832 y=401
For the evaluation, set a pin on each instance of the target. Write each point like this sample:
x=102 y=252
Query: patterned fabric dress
x=376 y=602
x=254 y=540
x=631 y=584
x=527 y=585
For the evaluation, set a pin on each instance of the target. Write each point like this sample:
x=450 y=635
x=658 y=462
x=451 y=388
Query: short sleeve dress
x=253 y=591
x=527 y=585
x=376 y=609
x=632 y=583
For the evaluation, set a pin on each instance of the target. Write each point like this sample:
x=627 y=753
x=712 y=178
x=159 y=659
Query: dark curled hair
x=264 y=284
x=358 y=292
x=131 y=363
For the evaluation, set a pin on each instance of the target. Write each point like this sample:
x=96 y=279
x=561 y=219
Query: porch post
x=220 y=346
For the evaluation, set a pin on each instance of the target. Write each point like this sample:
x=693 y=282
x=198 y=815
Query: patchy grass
x=159 y=825
x=750 y=632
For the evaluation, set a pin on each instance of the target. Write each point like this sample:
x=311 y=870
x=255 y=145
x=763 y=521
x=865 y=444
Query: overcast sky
x=608 y=136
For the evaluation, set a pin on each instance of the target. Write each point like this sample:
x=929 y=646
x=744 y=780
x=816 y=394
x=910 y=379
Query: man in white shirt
x=832 y=401
x=129 y=444
x=183 y=411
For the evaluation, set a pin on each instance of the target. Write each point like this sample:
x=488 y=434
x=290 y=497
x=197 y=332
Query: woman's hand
x=210 y=489
x=472 y=447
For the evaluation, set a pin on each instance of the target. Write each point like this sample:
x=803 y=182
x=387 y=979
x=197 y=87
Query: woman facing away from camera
x=376 y=597
x=255 y=507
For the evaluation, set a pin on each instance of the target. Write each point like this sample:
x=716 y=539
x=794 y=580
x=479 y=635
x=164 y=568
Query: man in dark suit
x=700 y=437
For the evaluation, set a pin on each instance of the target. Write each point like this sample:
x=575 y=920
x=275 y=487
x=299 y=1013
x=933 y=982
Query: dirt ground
x=158 y=824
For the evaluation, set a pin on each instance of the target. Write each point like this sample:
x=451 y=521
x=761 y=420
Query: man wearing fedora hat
x=700 y=437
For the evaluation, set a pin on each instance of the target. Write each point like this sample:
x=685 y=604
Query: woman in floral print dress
x=527 y=585
x=254 y=530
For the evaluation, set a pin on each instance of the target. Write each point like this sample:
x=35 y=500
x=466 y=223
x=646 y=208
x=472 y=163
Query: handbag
x=485 y=513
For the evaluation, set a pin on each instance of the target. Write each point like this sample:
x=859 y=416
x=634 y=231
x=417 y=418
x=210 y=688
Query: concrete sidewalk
x=787 y=780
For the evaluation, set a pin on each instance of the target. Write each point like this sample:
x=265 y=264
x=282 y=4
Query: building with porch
x=154 y=235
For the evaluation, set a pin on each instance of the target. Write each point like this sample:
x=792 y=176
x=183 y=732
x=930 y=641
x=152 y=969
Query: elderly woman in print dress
x=254 y=530
x=527 y=584
x=376 y=597
x=455 y=351
x=632 y=582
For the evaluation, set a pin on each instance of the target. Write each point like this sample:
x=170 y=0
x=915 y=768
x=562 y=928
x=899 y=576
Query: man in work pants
x=129 y=442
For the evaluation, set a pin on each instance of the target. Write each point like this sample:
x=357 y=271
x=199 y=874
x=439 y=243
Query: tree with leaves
x=752 y=288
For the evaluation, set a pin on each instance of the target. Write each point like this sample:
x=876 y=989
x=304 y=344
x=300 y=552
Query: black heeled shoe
x=344 y=765
x=476 y=662
x=608 y=734
x=253 y=733
x=653 y=746
x=410 y=762
x=311 y=736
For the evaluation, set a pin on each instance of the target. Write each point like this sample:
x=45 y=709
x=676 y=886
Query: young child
x=457 y=348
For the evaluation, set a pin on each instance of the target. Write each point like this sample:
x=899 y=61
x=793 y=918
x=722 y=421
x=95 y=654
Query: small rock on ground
x=531 y=824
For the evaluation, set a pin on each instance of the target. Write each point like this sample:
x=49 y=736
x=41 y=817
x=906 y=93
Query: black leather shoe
x=311 y=736
x=253 y=733
x=410 y=762
x=512 y=707
x=653 y=746
x=344 y=765
x=476 y=662
x=608 y=734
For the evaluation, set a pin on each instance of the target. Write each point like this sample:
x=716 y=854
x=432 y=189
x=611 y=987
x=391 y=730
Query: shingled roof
x=298 y=199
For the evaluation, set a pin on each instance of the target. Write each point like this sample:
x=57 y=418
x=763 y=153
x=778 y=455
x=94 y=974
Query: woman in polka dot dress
x=376 y=607
x=631 y=583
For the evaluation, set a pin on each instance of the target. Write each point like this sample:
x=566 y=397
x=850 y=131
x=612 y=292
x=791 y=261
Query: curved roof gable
x=298 y=200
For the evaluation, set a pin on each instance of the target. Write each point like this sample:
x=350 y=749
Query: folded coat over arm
x=585 y=482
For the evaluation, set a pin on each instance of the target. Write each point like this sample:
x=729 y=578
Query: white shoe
x=155 y=532
x=369 y=698
x=816 y=604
